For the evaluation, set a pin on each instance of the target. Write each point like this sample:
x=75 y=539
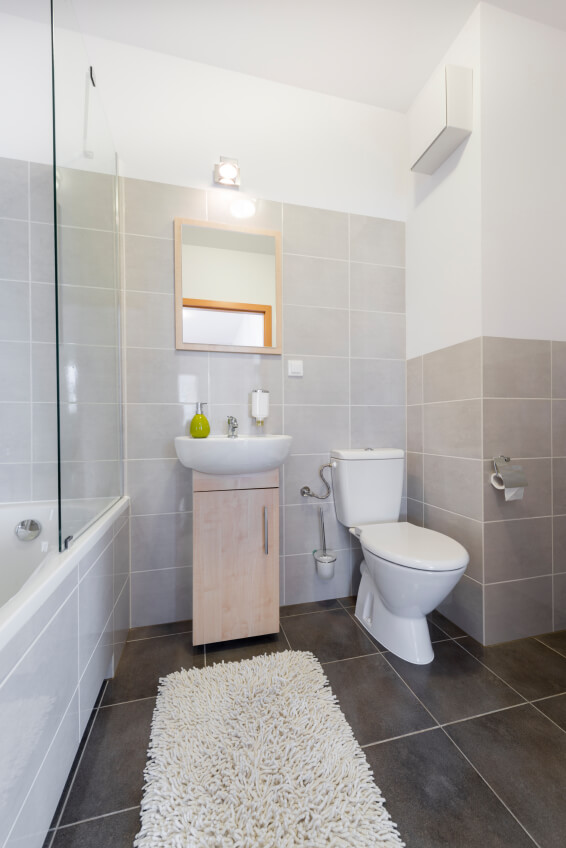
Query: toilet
x=407 y=570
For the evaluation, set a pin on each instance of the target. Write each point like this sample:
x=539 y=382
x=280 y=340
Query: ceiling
x=378 y=52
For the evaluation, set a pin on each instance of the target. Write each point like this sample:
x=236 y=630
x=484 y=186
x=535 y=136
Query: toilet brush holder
x=324 y=562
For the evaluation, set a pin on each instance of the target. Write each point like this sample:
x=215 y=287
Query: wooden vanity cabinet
x=235 y=556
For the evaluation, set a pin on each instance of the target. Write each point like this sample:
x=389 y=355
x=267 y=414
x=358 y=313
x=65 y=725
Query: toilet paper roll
x=511 y=494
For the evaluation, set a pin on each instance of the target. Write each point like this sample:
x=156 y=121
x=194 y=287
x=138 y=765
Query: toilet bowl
x=407 y=571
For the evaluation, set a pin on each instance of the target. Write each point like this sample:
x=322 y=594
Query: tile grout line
x=480 y=775
x=131 y=701
x=285 y=635
x=97 y=818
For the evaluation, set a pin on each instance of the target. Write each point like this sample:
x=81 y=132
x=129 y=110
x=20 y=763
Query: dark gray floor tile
x=554 y=708
x=302 y=609
x=245 y=649
x=455 y=685
x=521 y=754
x=375 y=702
x=154 y=630
x=110 y=775
x=48 y=839
x=329 y=635
x=142 y=664
x=446 y=625
x=436 y=797
x=557 y=641
x=527 y=665
x=116 y=831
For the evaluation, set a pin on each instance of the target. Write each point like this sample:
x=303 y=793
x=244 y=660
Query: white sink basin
x=242 y=455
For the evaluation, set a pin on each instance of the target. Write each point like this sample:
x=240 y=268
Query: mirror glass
x=227 y=287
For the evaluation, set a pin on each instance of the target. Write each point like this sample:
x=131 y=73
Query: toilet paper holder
x=506 y=475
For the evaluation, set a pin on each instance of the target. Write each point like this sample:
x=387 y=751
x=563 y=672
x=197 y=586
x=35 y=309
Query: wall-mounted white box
x=440 y=118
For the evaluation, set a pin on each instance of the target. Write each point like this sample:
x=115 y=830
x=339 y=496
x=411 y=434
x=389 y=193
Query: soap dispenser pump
x=200 y=428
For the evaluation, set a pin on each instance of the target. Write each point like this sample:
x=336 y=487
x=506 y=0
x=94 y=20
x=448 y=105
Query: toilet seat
x=415 y=547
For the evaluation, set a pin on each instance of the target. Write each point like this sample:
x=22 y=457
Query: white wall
x=25 y=92
x=171 y=119
x=523 y=177
x=444 y=231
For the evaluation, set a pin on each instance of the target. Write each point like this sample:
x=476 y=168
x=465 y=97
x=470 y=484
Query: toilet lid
x=414 y=547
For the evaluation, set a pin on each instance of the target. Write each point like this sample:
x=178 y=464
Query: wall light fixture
x=227 y=172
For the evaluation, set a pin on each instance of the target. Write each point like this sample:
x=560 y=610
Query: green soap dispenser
x=200 y=428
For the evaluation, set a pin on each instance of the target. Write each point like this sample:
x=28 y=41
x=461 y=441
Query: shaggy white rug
x=257 y=754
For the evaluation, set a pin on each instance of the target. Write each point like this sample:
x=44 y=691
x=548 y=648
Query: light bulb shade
x=227 y=172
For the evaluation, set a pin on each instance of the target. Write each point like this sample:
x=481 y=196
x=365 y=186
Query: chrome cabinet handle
x=265 y=530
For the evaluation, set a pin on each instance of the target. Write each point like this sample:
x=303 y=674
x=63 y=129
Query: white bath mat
x=257 y=754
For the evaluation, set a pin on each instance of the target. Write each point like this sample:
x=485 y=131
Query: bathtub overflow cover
x=28 y=530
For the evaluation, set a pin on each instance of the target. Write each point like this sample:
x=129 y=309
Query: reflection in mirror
x=227 y=288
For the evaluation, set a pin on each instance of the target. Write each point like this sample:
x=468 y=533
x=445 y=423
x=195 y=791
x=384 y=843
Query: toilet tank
x=368 y=484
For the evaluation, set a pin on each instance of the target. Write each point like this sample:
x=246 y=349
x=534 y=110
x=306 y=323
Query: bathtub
x=63 y=624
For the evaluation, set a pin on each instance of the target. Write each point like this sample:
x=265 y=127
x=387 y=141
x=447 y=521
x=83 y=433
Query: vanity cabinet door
x=236 y=564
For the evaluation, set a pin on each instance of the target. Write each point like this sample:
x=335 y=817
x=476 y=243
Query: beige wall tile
x=537 y=496
x=516 y=428
x=315 y=232
x=517 y=549
x=454 y=484
x=517 y=609
x=516 y=368
x=453 y=373
x=465 y=530
x=377 y=240
x=453 y=428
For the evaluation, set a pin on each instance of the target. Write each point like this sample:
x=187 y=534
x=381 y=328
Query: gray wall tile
x=86 y=199
x=219 y=412
x=467 y=531
x=14 y=314
x=558 y=369
x=15 y=482
x=164 y=376
x=377 y=334
x=377 y=381
x=516 y=428
x=453 y=373
x=233 y=376
x=85 y=257
x=88 y=373
x=149 y=264
x=377 y=287
x=559 y=428
x=14 y=250
x=89 y=431
x=162 y=541
x=517 y=549
x=150 y=320
x=517 y=609
x=15 y=371
x=43 y=312
x=220 y=203
x=13 y=188
x=44 y=432
x=415 y=380
x=315 y=232
x=559 y=543
x=317 y=429
x=326 y=381
x=558 y=486
x=87 y=316
x=537 y=496
x=302 y=532
x=42 y=253
x=151 y=207
x=158 y=486
x=90 y=479
x=310 y=330
x=161 y=596
x=415 y=428
x=559 y=588
x=309 y=281
x=302 y=583
x=378 y=427
x=516 y=368
x=453 y=428
x=464 y=606
x=15 y=426
x=377 y=240
x=415 y=476
x=454 y=484
x=302 y=471
x=41 y=192
x=415 y=512
x=152 y=427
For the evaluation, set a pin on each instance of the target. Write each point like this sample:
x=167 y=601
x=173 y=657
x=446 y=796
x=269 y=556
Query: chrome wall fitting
x=28 y=530
x=308 y=493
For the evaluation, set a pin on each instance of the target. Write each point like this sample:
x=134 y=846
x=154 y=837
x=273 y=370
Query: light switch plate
x=295 y=367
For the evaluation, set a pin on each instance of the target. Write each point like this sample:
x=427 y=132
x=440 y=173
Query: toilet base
x=407 y=638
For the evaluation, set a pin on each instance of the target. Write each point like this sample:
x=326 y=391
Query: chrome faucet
x=232 y=427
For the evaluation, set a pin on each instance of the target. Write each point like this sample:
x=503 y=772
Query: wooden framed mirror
x=227 y=287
